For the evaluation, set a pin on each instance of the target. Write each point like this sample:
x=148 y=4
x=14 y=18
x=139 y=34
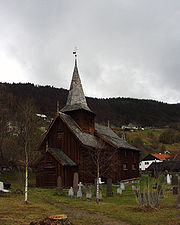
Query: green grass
x=44 y=202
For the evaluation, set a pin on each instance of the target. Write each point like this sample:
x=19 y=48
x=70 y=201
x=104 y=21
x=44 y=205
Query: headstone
x=100 y=182
x=95 y=186
x=122 y=186
x=119 y=191
x=100 y=192
x=88 y=194
x=59 y=187
x=2 y=187
x=109 y=192
x=71 y=193
x=75 y=183
x=168 y=179
x=79 y=193
x=134 y=188
x=174 y=180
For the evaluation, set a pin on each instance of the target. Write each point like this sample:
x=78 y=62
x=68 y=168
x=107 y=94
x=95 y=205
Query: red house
x=73 y=139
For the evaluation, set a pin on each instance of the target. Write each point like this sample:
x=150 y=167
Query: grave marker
x=79 y=193
x=71 y=193
x=75 y=182
x=109 y=192
x=59 y=187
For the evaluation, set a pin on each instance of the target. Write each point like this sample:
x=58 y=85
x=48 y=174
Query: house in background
x=73 y=138
x=149 y=159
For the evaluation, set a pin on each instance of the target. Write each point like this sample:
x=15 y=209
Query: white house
x=149 y=159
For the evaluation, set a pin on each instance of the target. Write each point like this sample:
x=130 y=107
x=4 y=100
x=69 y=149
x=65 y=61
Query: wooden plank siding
x=48 y=169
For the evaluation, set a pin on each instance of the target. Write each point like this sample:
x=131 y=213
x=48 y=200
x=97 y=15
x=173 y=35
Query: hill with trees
x=119 y=111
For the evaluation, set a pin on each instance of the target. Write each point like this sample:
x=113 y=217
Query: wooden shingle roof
x=76 y=99
x=108 y=134
x=103 y=132
x=84 y=138
x=61 y=157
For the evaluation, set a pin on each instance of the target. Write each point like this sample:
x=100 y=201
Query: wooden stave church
x=66 y=146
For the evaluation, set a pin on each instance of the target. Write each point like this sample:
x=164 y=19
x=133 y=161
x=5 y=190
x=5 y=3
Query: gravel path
x=76 y=215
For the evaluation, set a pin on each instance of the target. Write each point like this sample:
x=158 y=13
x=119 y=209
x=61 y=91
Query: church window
x=60 y=134
x=124 y=166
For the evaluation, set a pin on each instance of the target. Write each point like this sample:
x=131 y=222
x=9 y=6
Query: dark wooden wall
x=60 y=136
x=84 y=119
x=48 y=170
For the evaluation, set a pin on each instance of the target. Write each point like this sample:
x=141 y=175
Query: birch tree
x=28 y=130
x=102 y=160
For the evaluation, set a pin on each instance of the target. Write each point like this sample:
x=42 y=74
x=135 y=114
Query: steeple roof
x=76 y=99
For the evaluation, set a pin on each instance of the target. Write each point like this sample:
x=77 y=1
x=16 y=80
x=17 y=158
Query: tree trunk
x=26 y=174
x=97 y=187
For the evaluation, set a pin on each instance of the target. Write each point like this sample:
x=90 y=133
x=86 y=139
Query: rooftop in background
x=162 y=156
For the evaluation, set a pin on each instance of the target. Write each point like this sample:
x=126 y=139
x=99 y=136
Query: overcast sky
x=126 y=48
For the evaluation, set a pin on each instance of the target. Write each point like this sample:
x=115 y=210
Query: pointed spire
x=76 y=98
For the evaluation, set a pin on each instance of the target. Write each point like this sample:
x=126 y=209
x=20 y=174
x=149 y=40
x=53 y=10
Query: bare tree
x=28 y=130
x=102 y=159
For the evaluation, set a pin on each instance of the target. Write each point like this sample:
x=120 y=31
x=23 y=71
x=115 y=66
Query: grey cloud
x=126 y=48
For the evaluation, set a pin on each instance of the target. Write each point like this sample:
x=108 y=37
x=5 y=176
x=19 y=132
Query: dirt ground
x=80 y=216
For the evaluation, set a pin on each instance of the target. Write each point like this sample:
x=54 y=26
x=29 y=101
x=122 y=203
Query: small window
x=49 y=163
x=60 y=134
x=133 y=166
x=124 y=166
x=146 y=163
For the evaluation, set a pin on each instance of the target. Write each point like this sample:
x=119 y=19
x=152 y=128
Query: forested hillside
x=120 y=111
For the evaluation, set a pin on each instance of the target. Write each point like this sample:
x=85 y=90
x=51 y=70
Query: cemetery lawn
x=113 y=210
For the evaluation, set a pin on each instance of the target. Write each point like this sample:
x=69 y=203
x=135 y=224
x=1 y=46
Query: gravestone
x=2 y=187
x=134 y=188
x=174 y=180
x=95 y=186
x=75 y=183
x=88 y=194
x=71 y=193
x=119 y=191
x=168 y=179
x=79 y=192
x=109 y=192
x=100 y=192
x=59 y=187
x=122 y=186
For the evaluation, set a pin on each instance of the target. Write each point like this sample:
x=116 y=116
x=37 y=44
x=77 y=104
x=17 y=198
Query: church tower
x=76 y=105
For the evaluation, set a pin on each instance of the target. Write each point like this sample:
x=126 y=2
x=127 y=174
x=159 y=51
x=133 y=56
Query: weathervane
x=75 y=52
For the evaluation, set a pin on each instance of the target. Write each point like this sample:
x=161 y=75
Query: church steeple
x=76 y=105
x=76 y=99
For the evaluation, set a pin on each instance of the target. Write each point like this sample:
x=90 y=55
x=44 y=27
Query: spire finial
x=75 y=54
